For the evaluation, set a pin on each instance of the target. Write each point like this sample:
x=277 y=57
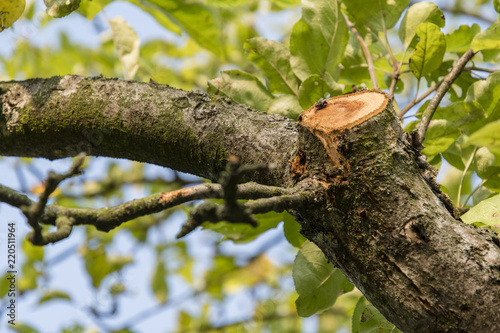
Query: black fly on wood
x=321 y=104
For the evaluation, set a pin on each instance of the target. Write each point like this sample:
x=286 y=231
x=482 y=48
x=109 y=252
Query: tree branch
x=150 y=123
x=33 y=212
x=366 y=52
x=441 y=91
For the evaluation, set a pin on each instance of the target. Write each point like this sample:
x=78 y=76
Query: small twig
x=472 y=193
x=459 y=194
x=366 y=52
x=438 y=96
x=418 y=100
x=14 y=198
x=472 y=13
x=481 y=69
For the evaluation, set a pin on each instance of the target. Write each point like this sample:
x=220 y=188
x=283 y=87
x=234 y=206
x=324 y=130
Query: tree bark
x=377 y=213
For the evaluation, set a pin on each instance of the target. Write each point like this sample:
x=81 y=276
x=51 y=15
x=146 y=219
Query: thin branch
x=14 y=198
x=472 y=193
x=441 y=91
x=462 y=11
x=459 y=193
x=369 y=60
x=481 y=69
x=418 y=99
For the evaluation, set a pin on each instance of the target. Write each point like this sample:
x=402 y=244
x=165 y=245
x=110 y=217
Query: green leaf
x=467 y=116
x=496 y=4
x=226 y=4
x=89 y=9
x=486 y=212
x=201 y=22
x=317 y=282
x=158 y=14
x=292 y=231
x=486 y=92
x=243 y=88
x=367 y=319
x=244 y=233
x=460 y=39
x=286 y=105
x=486 y=164
x=127 y=46
x=60 y=8
x=488 y=39
x=487 y=136
x=375 y=15
x=439 y=136
x=318 y=39
x=22 y=328
x=274 y=60
x=429 y=51
x=286 y=3
x=458 y=153
x=158 y=282
x=54 y=295
x=32 y=252
x=313 y=88
x=417 y=14
x=98 y=265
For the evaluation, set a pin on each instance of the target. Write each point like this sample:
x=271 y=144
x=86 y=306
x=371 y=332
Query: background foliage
x=276 y=57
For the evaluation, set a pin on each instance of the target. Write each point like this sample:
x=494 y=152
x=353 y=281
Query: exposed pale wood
x=344 y=112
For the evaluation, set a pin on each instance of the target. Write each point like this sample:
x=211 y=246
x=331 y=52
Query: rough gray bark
x=377 y=213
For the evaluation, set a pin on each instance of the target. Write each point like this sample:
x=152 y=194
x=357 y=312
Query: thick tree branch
x=63 y=116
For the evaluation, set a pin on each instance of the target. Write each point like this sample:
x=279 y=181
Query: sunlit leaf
x=488 y=39
x=429 y=51
x=227 y=4
x=291 y=228
x=318 y=39
x=22 y=328
x=376 y=15
x=127 y=45
x=10 y=11
x=243 y=88
x=460 y=39
x=199 y=21
x=89 y=9
x=32 y=252
x=54 y=295
x=486 y=212
x=274 y=59
x=487 y=136
x=417 y=14
x=158 y=282
x=60 y=8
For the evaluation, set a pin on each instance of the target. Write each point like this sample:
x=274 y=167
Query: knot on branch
x=34 y=211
